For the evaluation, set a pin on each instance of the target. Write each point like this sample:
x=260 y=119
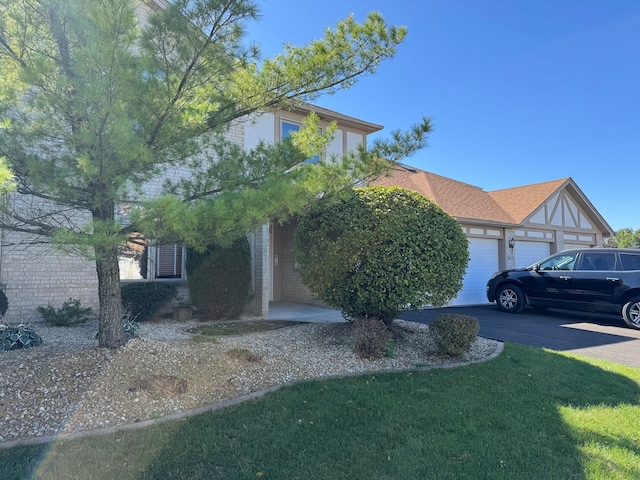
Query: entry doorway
x=275 y=256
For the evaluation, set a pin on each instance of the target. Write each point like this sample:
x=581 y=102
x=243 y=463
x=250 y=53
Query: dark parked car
x=603 y=280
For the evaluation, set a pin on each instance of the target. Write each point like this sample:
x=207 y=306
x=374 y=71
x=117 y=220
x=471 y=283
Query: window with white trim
x=286 y=128
x=139 y=261
x=168 y=261
x=161 y=262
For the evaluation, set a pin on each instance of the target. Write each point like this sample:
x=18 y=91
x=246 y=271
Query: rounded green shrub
x=453 y=333
x=4 y=303
x=379 y=251
x=219 y=279
x=142 y=300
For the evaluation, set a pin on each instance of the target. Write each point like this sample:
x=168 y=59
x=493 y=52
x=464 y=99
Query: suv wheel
x=510 y=299
x=631 y=313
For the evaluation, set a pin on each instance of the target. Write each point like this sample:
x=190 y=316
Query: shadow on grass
x=500 y=419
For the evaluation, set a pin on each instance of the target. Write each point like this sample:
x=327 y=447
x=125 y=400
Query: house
x=33 y=273
x=270 y=256
x=507 y=228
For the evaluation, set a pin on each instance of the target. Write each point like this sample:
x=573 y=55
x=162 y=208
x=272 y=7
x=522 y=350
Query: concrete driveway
x=592 y=335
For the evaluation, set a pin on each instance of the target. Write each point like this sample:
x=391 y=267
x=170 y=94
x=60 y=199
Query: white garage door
x=483 y=263
x=528 y=253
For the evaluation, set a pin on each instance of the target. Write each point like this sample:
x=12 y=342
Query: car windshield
x=564 y=261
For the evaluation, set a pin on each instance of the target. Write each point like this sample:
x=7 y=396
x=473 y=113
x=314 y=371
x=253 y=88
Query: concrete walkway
x=303 y=313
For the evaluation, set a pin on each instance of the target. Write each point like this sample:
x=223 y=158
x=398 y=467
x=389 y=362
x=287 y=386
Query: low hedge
x=144 y=299
x=454 y=334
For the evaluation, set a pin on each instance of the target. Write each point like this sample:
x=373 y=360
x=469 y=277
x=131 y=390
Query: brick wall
x=37 y=275
x=34 y=274
x=292 y=289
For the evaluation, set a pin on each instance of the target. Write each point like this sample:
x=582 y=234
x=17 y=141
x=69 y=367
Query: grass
x=529 y=414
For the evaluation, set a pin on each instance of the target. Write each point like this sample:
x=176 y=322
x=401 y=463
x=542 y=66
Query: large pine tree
x=98 y=97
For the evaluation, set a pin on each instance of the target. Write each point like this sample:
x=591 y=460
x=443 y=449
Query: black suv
x=603 y=280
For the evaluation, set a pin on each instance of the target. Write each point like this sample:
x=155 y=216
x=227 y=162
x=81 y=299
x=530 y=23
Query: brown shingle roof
x=464 y=201
x=520 y=202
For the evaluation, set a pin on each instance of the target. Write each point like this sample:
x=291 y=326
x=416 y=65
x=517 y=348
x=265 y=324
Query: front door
x=275 y=235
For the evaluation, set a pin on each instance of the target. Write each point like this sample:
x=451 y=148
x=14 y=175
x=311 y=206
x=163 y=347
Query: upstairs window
x=286 y=128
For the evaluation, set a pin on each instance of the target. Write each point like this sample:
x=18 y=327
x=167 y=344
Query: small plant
x=71 y=313
x=183 y=302
x=454 y=334
x=22 y=336
x=130 y=327
x=144 y=299
x=373 y=338
x=4 y=303
x=391 y=348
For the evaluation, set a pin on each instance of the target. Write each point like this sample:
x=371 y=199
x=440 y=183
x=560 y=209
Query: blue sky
x=519 y=91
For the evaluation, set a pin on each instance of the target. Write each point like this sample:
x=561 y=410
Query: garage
x=530 y=217
x=528 y=253
x=483 y=263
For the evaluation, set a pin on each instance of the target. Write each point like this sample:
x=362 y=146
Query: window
x=162 y=262
x=286 y=129
x=630 y=261
x=168 y=261
x=563 y=261
x=598 y=261
x=139 y=261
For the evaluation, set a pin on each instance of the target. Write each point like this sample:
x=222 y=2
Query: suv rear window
x=630 y=261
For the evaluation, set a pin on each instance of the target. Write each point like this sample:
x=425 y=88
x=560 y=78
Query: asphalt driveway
x=592 y=335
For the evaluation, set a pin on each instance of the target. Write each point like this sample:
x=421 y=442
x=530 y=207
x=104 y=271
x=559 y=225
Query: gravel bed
x=68 y=384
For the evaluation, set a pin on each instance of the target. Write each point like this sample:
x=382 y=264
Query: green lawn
x=529 y=414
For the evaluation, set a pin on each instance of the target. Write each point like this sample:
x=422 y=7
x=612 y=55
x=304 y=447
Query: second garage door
x=528 y=253
x=483 y=263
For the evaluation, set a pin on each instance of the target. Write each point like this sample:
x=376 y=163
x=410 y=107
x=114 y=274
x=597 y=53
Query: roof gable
x=458 y=199
x=520 y=202
x=536 y=203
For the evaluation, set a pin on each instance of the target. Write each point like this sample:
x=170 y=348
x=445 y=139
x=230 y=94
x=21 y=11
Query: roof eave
x=486 y=223
x=158 y=4
x=305 y=108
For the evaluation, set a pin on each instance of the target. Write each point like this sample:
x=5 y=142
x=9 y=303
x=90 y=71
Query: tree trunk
x=110 y=331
